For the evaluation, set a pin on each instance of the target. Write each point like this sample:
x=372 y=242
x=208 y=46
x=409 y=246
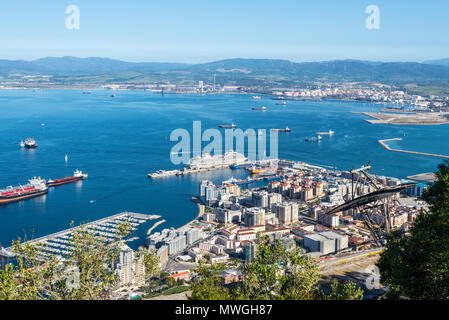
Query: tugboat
x=34 y=188
x=77 y=175
x=30 y=143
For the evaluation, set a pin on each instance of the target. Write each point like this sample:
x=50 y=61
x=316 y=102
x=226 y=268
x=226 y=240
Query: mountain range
x=234 y=70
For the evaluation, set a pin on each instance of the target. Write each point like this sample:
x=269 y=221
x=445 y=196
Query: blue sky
x=200 y=31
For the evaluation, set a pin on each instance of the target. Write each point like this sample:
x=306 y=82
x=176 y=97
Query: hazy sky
x=199 y=31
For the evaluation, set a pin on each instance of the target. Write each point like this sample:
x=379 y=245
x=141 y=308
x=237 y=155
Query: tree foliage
x=87 y=272
x=274 y=274
x=416 y=265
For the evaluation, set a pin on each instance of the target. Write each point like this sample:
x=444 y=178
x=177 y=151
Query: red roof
x=179 y=274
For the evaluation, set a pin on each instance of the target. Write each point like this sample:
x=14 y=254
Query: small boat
x=22 y=144
x=112 y=95
x=228 y=126
x=283 y=103
x=263 y=108
x=30 y=143
x=287 y=129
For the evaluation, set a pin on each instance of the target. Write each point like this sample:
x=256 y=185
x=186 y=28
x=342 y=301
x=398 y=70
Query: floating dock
x=59 y=245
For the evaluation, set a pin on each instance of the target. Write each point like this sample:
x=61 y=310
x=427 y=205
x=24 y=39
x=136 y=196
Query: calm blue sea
x=117 y=141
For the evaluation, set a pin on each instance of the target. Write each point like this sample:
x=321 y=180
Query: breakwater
x=386 y=146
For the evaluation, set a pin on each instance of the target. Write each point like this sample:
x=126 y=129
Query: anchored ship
x=34 y=188
x=329 y=133
x=238 y=182
x=287 y=129
x=283 y=103
x=163 y=173
x=208 y=161
x=228 y=126
x=77 y=175
x=30 y=143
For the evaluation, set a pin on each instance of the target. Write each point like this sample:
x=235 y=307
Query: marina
x=59 y=243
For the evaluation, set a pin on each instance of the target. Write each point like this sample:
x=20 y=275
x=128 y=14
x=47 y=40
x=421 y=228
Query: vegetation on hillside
x=416 y=265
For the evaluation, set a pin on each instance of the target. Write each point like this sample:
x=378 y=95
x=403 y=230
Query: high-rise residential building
x=130 y=269
x=255 y=216
x=273 y=198
x=260 y=199
x=285 y=213
x=250 y=251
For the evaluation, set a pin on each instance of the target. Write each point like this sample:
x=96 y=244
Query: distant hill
x=242 y=71
x=73 y=65
x=441 y=62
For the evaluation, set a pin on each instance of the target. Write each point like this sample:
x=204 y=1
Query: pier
x=59 y=243
x=383 y=144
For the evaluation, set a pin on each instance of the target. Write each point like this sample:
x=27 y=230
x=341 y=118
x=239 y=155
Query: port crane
x=382 y=197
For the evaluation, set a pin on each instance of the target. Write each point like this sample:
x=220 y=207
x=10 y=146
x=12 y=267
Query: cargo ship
x=30 y=143
x=261 y=108
x=228 y=126
x=34 y=188
x=272 y=178
x=237 y=166
x=238 y=182
x=77 y=175
x=287 y=129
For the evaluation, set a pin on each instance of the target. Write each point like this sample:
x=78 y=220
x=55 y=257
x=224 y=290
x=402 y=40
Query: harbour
x=58 y=244
x=118 y=179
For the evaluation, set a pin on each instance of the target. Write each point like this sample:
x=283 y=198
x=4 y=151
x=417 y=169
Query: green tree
x=274 y=273
x=416 y=265
x=207 y=284
x=345 y=290
x=87 y=272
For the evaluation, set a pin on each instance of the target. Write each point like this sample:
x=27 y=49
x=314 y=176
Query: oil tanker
x=77 y=175
x=35 y=187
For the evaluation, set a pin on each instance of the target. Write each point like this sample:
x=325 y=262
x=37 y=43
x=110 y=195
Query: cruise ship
x=208 y=161
x=34 y=188
x=163 y=173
